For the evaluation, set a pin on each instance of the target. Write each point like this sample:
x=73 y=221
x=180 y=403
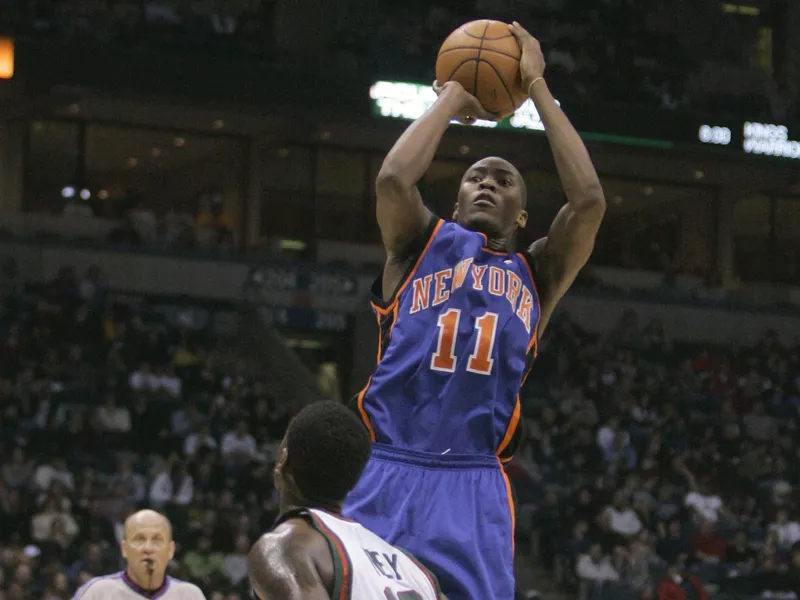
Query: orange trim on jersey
x=510 y=495
x=343 y=558
x=382 y=312
x=486 y=248
x=534 y=343
x=512 y=427
x=410 y=274
x=363 y=412
x=392 y=307
x=380 y=339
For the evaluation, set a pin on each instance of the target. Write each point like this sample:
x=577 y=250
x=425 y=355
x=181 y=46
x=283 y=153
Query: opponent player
x=147 y=548
x=460 y=312
x=313 y=553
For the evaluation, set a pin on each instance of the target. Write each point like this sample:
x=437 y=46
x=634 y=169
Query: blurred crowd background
x=623 y=51
x=661 y=461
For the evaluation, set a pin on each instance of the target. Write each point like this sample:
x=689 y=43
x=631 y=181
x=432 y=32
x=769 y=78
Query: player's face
x=148 y=548
x=490 y=199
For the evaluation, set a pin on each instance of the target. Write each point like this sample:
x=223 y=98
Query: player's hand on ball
x=531 y=65
x=468 y=109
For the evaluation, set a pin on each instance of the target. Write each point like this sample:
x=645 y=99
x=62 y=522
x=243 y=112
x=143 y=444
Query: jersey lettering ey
x=366 y=567
x=456 y=343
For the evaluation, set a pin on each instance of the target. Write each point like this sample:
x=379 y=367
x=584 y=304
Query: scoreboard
x=765 y=139
x=645 y=126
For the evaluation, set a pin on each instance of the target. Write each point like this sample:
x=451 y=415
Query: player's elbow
x=591 y=202
x=390 y=182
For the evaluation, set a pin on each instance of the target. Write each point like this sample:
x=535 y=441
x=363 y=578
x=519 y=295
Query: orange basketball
x=483 y=56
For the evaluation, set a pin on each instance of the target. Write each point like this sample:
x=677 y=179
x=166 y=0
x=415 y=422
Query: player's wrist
x=451 y=95
x=532 y=83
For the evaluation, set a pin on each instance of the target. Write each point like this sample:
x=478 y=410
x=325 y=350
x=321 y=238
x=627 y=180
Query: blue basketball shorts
x=454 y=513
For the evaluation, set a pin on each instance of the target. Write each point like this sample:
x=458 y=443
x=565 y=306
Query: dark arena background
x=188 y=238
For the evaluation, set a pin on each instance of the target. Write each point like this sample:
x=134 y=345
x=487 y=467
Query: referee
x=147 y=547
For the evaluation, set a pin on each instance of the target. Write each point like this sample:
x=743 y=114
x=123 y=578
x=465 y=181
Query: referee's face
x=148 y=548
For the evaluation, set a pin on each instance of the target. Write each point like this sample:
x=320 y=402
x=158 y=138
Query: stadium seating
x=112 y=402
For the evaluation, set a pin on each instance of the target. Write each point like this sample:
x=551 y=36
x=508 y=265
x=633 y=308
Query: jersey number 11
x=480 y=361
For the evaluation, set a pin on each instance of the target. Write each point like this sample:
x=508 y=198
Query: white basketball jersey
x=367 y=568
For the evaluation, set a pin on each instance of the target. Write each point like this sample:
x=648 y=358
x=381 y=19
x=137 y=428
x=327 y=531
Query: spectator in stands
x=173 y=486
x=787 y=531
x=709 y=551
x=759 y=425
x=594 y=570
x=135 y=483
x=608 y=432
x=680 y=585
x=53 y=471
x=620 y=518
x=704 y=504
x=143 y=379
x=53 y=523
x=740 y=555
x=186 y=420
x=198 y=440
x=112 y=418
x=204 y=564
x=19 y=470
x=673 y=545
x=620 y=456
x=239 y=447
x=236 y=561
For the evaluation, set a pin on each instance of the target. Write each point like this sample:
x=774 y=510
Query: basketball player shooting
x=460 y=310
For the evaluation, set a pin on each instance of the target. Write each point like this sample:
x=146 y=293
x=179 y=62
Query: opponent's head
x=321 y=457
x=492 y=198
x=148 y=547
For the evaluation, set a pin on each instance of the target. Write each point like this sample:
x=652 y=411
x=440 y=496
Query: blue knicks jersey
x=457 y=340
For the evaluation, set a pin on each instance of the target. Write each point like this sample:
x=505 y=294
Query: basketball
x=483 y=56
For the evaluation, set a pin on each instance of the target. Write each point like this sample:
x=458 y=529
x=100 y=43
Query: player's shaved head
x=147 y=518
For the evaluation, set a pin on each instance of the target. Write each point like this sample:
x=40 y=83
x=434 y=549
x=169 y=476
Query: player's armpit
x=402 y=216
x=558 y=258
x=279 y=569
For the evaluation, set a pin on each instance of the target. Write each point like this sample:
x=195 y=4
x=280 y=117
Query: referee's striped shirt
x=120 y=587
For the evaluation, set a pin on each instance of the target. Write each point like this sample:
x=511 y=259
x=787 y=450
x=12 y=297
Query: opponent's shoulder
x=291 y=531
x=294 y=542
x=186 y=590
x=97 y=587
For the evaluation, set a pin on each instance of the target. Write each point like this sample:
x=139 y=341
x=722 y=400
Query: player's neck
x=501 y=244
x=292 y=502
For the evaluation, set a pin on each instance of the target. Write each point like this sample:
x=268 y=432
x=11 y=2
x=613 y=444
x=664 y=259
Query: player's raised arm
x=402 y=217
x=569 y=242
x=282 y=566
